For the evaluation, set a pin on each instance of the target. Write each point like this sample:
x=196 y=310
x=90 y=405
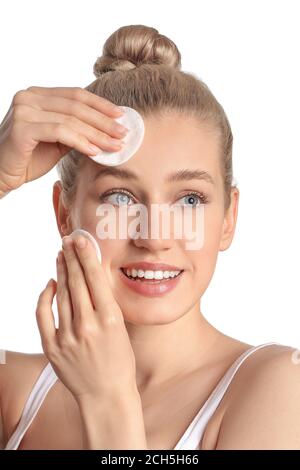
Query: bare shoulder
x=263 y=408
x=18 y=373
x=17 y=366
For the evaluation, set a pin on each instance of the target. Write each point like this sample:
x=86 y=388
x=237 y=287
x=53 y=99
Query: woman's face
x=171 y=144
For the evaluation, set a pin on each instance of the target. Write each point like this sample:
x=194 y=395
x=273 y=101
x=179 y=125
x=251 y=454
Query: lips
x=150 y=281
x=146 y=266
x=152 y=288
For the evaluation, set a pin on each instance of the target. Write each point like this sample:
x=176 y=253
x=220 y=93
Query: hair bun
x=134 y=45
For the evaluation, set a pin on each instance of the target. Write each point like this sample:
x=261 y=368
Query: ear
x=61 y=209
x=230 y=219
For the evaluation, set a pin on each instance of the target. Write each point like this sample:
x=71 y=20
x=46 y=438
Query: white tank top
x=191 y=438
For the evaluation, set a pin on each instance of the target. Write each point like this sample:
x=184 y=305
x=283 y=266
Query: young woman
x=134 y=364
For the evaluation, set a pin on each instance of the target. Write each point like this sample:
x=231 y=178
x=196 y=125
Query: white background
x=248 y=54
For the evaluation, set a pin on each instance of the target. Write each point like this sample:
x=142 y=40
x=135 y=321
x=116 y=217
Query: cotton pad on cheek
x=132 y=141
x=92 y=239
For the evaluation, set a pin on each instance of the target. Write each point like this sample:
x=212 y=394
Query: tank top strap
x=46 y=379
x=189 y=440
x=194 y=433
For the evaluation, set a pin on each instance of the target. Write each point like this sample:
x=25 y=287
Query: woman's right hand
x=43 y=124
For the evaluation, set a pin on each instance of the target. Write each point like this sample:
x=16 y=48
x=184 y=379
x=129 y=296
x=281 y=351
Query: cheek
x=204 y=239
x=84 y=215
x=204 y=260
x=112 y=252
x=111 y=249
x=213 y=223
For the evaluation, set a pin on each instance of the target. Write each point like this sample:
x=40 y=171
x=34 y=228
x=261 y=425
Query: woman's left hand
x=90 y=351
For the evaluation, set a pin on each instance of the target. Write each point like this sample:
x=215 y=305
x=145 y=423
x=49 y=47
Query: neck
x=165 y=351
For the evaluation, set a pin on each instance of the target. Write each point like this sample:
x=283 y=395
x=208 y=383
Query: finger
x=79 y=94
x=82 y=112
x=63 y=297
x=44 y=315
x=96 y=279
x=81 y=299
x=56 y=132
x=90 y=128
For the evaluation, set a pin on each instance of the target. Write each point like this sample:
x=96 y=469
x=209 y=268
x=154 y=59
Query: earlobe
x=230 y=220
x=64 y=229
x=61 y=211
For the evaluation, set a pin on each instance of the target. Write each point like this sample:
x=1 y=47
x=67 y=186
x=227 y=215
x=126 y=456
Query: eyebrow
x=180 y=175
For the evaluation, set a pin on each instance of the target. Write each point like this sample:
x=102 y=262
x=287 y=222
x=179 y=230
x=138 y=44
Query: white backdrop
x=248 y=54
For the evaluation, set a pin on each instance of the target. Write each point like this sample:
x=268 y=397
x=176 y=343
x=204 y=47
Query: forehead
x=171 y=142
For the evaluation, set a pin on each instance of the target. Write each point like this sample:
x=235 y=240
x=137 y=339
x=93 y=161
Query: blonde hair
x=140 y=68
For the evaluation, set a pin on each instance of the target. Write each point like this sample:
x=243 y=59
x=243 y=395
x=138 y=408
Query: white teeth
x=150 y=275
x=140 y=273
x=158 y=274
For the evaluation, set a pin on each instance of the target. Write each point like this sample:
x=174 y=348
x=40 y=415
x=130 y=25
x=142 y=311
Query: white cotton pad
x=132 y=141
x=92 y=239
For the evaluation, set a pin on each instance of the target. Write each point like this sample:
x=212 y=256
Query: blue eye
x=193 y=196
x=121 y=197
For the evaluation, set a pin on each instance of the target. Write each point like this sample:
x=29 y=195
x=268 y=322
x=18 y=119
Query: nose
x=153 y=244
x=158 y=236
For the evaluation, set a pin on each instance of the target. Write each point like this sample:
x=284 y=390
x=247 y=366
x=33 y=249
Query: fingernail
x=123 y=130
x=66 y=241
x=114 y=141
x=80 y=242
x=49 y=283
x=94 y=149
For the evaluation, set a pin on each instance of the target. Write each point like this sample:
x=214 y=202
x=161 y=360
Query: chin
x=151 y=315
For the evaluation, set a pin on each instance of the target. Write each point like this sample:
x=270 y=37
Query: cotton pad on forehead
x=132 y=141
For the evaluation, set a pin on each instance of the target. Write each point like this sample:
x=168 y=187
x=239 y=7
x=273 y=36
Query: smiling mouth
x=151 y=281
